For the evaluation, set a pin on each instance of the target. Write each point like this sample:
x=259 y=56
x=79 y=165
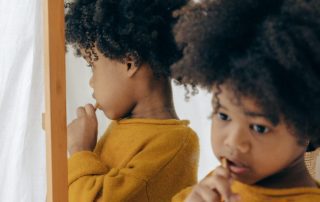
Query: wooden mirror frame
x=55 y=101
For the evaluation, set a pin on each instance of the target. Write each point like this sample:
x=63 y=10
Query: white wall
x=79 y=92
x=196 y=110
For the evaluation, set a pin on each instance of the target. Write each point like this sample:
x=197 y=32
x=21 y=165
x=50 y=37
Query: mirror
x=79 y=91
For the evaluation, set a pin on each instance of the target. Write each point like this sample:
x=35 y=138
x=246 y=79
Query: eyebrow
x=262 y=115
x=214 y=104
x=255 y=115
x=223 y=107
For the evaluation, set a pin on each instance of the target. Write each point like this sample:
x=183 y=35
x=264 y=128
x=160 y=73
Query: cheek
x=279 y=156
x=216 y=139
x=116 y=102
x=106 y=85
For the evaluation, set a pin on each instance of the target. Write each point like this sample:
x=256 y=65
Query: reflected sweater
x=136 y=160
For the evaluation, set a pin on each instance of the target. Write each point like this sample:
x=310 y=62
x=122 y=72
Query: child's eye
x=259 y=129
x=223 y=116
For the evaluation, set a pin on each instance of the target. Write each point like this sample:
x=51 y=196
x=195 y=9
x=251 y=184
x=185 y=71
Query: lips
x=237 y=167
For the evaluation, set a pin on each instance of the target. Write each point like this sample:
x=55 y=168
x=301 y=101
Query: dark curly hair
x=266 y=50
x=121 y=28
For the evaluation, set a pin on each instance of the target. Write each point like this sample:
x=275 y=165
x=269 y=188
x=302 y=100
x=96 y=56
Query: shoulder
x=156 y=129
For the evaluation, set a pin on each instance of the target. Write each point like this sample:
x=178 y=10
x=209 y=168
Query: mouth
x=237 y=167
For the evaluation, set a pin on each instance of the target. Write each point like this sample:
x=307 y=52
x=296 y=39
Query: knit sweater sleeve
x=89 y=179
x=182 y=195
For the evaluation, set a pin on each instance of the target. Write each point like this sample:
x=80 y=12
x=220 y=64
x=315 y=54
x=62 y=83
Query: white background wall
x=196 y=110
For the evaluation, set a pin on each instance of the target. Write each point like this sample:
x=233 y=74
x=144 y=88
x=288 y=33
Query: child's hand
x=214 y=188
x=82 y=132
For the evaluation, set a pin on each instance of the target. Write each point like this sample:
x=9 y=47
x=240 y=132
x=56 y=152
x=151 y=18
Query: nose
x=238 y=139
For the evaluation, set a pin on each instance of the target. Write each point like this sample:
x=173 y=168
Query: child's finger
x=223 y=187
x=90 y=110
x=235 y=198
x=220 y=184
x=81 y=112
x=222 y=172
x=207 y=194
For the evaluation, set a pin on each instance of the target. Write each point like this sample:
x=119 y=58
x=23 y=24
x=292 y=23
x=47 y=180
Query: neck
x=155 y=101
x=296 y=175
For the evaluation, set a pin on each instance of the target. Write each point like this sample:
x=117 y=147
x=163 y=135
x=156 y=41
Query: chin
x=109 y=115
x=245 y=179
x=113 y=115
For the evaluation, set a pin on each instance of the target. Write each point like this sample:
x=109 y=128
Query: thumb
x=90 y=110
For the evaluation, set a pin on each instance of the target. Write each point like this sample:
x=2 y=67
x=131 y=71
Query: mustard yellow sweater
x=136 y=160
x=250 y=193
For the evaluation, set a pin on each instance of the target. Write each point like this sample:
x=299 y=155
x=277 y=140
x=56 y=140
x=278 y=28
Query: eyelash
x=220 y=115
x=266 y=129
x=255 y=127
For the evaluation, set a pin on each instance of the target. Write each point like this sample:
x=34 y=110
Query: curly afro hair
x=266 y=50
x=121 y=28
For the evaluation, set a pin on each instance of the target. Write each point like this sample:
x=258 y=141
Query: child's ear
x=131 y=66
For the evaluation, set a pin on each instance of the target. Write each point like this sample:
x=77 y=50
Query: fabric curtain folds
x=22 y=140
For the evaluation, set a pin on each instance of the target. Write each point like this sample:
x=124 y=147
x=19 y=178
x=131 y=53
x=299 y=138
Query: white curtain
x=22 y=141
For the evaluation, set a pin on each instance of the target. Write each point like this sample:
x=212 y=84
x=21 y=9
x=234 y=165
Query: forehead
x=223 y=93
x=224 y=97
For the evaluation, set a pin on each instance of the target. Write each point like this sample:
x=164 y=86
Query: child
x=146 y=154
x=261 y=60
